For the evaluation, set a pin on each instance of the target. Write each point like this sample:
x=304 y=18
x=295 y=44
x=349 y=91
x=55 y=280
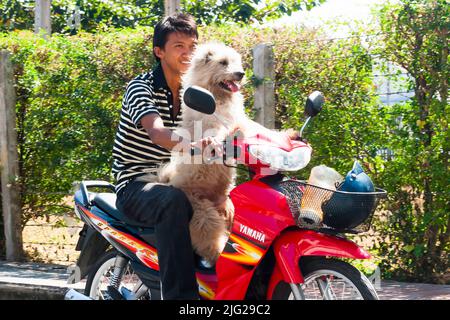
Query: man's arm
x=168 y=139
x=161 y=135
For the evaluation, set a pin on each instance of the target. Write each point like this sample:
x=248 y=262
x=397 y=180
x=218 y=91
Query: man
x=150 y=113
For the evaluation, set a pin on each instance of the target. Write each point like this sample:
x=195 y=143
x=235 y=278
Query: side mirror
x=314 y=103
x=199 y=99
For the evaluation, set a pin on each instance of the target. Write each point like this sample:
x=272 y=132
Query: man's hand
x=214 y=147
x=293 y=134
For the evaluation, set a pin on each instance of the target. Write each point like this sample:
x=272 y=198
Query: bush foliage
x=70 y=16
x=415 y=37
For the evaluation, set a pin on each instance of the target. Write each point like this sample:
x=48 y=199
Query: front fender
x=291 y=245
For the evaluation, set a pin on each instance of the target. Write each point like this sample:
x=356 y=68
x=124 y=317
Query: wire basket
x=314 y=207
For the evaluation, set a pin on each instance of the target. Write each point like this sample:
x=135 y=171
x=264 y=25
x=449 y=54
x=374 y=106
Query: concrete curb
x=14 y=291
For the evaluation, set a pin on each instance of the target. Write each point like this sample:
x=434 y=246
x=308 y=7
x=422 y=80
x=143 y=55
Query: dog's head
x=216 y=67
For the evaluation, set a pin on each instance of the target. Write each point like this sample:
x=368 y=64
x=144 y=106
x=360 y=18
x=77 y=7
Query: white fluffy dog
x=217 y=68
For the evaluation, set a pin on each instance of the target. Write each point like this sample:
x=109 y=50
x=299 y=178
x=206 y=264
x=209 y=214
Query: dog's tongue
x=232 y=86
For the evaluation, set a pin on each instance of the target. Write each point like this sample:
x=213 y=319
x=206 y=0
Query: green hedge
x=68 y=99
x=70 y=89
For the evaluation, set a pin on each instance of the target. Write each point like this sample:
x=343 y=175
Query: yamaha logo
x=259 y=236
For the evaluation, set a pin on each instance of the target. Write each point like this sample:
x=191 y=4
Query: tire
x=100 y=273
x=344 y=282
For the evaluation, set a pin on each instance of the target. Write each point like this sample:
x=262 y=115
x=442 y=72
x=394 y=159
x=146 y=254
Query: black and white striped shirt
x=134 y=153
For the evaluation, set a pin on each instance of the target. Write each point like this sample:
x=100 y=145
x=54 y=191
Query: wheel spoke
x=329 y=285
x=326 y=289
x=128 y=279
x=329 y=279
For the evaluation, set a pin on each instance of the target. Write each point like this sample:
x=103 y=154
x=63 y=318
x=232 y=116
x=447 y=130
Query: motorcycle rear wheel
x=329 y=279
x=100 y=276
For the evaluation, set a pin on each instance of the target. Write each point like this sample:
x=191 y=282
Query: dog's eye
x=224 y=62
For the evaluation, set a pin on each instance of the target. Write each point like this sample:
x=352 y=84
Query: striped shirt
x=134 y=153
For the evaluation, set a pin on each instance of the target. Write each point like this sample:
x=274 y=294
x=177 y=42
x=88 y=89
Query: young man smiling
x=144 y=138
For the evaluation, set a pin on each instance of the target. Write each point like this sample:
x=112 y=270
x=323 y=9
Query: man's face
x=177 y=51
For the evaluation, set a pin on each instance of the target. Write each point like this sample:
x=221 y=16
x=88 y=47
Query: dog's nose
x=239 y=75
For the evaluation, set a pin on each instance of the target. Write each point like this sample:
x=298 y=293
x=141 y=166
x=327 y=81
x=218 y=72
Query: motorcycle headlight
x=279 y=159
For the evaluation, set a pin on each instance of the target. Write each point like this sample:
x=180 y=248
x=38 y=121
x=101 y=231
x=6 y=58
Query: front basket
x=314 y=207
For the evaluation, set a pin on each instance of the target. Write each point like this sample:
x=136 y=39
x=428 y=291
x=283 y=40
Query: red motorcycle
x=274 y=251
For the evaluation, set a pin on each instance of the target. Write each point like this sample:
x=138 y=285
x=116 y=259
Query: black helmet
x=352 y=202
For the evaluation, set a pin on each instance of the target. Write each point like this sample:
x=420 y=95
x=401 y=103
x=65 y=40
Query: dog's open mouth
x=230 y=85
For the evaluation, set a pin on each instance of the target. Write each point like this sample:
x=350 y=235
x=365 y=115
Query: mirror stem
x=303 y=127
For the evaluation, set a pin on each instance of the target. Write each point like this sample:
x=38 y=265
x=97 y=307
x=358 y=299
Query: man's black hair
x=178 y=22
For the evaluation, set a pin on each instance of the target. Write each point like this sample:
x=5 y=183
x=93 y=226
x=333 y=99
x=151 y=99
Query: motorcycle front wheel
x=328 y=279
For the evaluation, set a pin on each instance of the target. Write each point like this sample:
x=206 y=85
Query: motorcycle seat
x=107 y=202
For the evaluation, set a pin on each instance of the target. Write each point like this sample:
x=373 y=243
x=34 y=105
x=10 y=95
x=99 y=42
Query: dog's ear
x=208 y=57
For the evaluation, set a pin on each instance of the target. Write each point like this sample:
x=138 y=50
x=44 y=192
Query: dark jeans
x=169 y=211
